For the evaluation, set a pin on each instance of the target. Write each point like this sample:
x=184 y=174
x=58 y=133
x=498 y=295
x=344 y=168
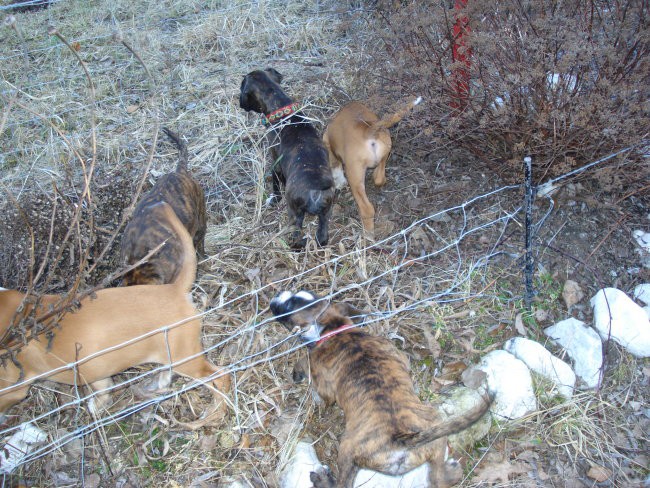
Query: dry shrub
x=564 y=82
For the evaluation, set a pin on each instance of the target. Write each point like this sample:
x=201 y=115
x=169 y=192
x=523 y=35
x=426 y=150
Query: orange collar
x=280 y=113
x=334 y=332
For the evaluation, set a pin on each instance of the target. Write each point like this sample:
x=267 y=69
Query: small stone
x=571 y=293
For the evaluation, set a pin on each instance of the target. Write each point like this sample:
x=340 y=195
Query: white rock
x=628 y=324
x=417 y=478
x=542 y=362
x=19 y=445
x=303 y=461
x=583 y=346
x=509 y=381
x=643 y=241
x=642 y=293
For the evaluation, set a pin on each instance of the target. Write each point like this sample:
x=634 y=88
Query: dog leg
x=200 y=368
x=379 y=173
x=336 y=164
x=347 y=469
x=322 y=235
x=199 y=242
x=298 y=241
x=102 y=399
x=276 y=195
x=356 y=176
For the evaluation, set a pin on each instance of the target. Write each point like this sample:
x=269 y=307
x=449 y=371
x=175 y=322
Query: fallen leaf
x=519 y=324
x=500 y=472
x=132 y=108
x=599 y=473
x=432 y=344
x=572 y=293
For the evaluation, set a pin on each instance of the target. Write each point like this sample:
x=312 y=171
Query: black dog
x=301 y=162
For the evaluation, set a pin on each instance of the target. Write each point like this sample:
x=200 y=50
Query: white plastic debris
x=618 y=317
x=303 y=461
x=19 y=445
x=510 y=382
x=583 y=346
x=542 y=362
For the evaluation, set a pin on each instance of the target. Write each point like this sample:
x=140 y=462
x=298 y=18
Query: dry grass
x=432 y=276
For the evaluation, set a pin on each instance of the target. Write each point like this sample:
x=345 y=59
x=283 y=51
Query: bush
x=564 y=82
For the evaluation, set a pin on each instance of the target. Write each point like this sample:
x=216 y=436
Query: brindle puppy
x=148 y=227
x=387 y=429
x=301 y=161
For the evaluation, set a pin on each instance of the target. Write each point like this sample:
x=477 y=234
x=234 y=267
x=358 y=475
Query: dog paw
x=298 y=243
x=322 y=478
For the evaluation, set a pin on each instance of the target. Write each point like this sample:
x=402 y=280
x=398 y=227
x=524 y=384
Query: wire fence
x=455 y=290
x=479 y=216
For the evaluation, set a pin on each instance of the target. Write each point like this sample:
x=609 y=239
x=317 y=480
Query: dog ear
x=349 y=311
x=274 y=74
x=244 y=96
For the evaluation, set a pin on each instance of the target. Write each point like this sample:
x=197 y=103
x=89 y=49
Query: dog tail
x=187 y=273
x=183 y=157
x=443 y=428
x=387 y=121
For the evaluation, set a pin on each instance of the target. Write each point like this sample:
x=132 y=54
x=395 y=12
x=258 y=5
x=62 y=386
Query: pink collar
x=334 y=332
x=280 y=113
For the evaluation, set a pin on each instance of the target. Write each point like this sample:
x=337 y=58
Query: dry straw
x=180 y=63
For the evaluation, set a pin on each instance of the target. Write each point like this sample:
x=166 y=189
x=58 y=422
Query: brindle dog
x=300 y=163
x=148 y=227
x=387 y=428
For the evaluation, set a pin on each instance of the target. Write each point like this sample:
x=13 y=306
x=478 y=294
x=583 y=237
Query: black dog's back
x=301 y=161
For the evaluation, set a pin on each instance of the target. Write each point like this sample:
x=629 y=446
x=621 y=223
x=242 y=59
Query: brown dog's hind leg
x=346 y=459
x=356 y=177
x=379 y=173
x=200 y=368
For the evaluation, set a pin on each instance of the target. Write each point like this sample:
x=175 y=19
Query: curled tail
x=387 y=121
x=183 y=157
x=187 y=273
x=445 y=427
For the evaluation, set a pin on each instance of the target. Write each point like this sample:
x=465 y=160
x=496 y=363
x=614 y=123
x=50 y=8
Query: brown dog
x=358 y=140
x=147 y=228
x=387 y=429
x=104 y=322
x=300 y=162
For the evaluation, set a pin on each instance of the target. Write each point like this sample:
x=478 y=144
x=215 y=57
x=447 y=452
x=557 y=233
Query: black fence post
x=528 y=260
